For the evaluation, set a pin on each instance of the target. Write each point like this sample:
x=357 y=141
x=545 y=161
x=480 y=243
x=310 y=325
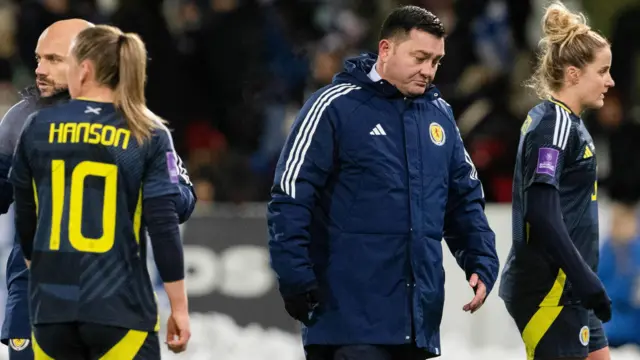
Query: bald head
x=51 y=53
x=65 y=29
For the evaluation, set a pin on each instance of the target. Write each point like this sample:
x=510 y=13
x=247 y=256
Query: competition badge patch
x=19 y=344
x=172 y=166
x=547 y=161
x=437 y=134
x=584 y=336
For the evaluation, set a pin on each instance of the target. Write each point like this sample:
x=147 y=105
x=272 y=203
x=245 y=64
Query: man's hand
x=302 y=306
x=178 y=331
x=481 y=293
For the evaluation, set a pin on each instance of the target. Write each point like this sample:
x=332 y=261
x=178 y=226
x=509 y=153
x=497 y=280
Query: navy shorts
x=84 y=341
x=20 y=349
x=552 y=332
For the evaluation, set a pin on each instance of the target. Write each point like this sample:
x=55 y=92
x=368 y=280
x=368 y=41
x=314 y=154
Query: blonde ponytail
x=121 y=64
x=129 y=96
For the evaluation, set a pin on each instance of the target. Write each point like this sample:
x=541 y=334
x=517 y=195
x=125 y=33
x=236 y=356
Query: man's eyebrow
x=50 y=56
x=427 y=54
x=423 y=53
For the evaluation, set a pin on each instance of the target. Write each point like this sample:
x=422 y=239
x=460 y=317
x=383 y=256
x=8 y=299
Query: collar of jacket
x=356 y=71
x=32 y=94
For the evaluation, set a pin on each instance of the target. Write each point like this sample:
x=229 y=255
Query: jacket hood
x=356 y=71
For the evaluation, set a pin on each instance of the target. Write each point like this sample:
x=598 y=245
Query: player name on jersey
x=107 y=135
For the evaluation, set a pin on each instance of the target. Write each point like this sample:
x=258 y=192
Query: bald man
x=51 y=53
x=50 y=89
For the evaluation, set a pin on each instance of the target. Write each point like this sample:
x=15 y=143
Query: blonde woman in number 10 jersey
x=88 y=177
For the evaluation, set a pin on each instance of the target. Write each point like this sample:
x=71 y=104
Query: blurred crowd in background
x=231 y=75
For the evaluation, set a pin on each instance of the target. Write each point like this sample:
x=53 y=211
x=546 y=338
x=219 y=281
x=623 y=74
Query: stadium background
x=230 y=76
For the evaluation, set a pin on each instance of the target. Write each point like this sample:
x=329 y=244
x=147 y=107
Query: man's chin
x=416 y=90
x=49 y=91
x=45 y=91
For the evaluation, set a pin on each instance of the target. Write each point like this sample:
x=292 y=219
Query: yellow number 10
x=78 y=241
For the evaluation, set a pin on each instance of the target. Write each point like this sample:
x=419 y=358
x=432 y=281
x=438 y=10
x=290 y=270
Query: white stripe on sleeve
x=305 y=133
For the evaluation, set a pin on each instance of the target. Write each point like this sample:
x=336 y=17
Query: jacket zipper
x=410 y=281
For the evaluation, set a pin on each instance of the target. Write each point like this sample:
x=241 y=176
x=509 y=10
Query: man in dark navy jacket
x=372 y=177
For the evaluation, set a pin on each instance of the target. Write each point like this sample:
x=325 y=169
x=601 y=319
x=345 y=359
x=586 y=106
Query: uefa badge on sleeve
x=172 y=167
x=547 y=161
x=19 y=344
x=437 y=134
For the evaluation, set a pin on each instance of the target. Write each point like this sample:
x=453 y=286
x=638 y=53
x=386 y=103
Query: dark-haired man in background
x=374 y=174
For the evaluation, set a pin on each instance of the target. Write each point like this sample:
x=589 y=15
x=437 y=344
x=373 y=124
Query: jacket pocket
x=367 y=276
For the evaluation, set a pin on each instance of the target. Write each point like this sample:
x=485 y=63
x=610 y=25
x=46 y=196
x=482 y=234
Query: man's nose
x=42 y=69
x=427 y=70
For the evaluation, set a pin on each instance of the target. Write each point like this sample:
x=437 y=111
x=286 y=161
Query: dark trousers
x=366 y=352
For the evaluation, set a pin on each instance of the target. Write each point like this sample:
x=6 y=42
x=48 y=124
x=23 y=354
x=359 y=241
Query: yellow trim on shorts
x=38 y=353
x=548 y=312
x=128 y=347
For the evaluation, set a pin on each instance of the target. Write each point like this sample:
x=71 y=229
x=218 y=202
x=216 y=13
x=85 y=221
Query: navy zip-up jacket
x=16 y=322
x=367 y=186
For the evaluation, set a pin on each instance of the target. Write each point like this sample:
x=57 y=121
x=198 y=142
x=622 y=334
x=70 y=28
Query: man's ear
x=385 y=49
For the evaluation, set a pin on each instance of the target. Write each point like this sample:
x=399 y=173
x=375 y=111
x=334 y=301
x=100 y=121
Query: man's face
x=51 y=54
x=411 y=62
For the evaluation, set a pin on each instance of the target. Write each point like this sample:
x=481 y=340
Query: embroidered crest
x=19 y=344
x=437 y=134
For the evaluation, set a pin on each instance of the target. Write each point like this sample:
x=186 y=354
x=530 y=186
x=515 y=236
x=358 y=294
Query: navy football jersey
x=555 y=149
x=90 y=177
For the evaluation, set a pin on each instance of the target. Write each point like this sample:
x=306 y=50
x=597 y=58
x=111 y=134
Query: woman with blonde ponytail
x=124 y=72
x=549 y=284
x=89 y=177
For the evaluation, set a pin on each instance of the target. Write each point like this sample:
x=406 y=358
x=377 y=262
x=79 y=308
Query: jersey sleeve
x=161 y=175
x=547 y=148
x=188 y=196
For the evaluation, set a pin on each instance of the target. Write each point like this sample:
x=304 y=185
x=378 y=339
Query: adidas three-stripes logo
x=305 y=132
x=378 y=130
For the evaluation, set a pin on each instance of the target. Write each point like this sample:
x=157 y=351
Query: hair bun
x=560 y=24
